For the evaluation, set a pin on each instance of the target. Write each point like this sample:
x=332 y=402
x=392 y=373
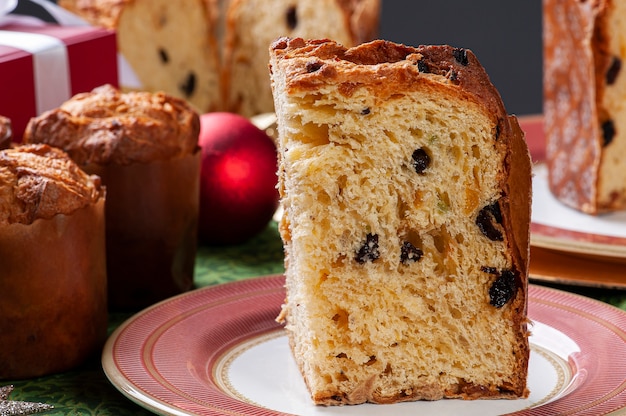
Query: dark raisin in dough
x=608 y=132
x=189 y=85
x=502 y=289
x=410 y=253
x=423 y=66
x=421 y=160
x=486 y=220
x=313 y=66
x=163 y=55
x=613 y=71
x=292 y=18
x=369 y=250
x=460 y=55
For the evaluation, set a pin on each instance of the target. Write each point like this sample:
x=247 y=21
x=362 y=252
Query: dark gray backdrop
x=504 y=34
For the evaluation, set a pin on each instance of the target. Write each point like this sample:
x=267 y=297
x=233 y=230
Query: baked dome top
x=107 y=126
x=40 y=181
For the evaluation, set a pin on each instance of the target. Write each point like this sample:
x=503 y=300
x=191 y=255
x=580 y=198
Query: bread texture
x=584 y=117
x=170 y=45
x=213 y=53
x=106 y=126
x=406 y=195
x=252 y=25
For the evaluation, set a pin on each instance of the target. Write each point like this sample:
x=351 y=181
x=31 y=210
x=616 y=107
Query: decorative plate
x=219 y=351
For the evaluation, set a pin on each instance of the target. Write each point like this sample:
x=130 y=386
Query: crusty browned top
x=6 y=132
x=106 y=126
x=40 y=181
x=396 y=67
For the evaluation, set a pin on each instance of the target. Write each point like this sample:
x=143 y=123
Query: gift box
x=41 y=66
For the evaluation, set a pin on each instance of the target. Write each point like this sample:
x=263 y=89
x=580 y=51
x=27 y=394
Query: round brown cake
x=53 y=275
x=144 y=146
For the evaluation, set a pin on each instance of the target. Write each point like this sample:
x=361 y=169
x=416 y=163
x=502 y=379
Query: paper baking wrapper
x=151 y=229
x=53 y=307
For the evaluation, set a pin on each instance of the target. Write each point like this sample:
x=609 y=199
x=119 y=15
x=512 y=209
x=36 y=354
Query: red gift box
x=44 y=65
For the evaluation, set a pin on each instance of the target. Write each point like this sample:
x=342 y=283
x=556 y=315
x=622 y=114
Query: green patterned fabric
x=86 y=390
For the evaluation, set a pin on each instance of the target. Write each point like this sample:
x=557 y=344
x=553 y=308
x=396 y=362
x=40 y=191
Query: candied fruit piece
x=608 y=132
x=503 y=288
x=421 y=160
x=485 y=221
x=460 y=55
x=410 y=253
x=369 y=250
x=613 y=71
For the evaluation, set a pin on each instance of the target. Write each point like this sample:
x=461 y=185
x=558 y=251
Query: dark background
x=505 y=36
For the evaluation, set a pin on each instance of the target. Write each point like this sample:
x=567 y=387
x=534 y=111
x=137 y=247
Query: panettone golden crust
x=39 y=181
x=390 y=158
x=106 y=126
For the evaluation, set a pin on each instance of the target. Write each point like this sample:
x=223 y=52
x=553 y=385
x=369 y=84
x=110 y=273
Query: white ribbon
x=50 y=66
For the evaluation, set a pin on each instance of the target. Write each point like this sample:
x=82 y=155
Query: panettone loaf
x=52 y=251
x=214 y=52
x=252 y=25
x=144 y=146
x=6 y=132
x=584 y=90
x=406 y=195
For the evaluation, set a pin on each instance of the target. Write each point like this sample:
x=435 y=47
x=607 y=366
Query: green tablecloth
x=86 y=390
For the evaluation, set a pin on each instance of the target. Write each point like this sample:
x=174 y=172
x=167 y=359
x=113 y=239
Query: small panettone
x=406 y=195
x=584 y=90
x=52 y=252
x=6 y=132
x=213 y=53
x=144 y=146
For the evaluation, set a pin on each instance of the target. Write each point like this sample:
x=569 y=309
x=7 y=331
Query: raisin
x=608 y=132
x=189 y=85
x=365 y=111
x=313 y=66
x=502 y=289
x=614 y=70
x=369 y=250
x=423 y=67
x=410 y=253
x=485 y=221
x=421 y=160
x=163 y=56
x=292 y=18
x=460 y=55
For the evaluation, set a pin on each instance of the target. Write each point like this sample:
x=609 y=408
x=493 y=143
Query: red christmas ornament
x=238 y=195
